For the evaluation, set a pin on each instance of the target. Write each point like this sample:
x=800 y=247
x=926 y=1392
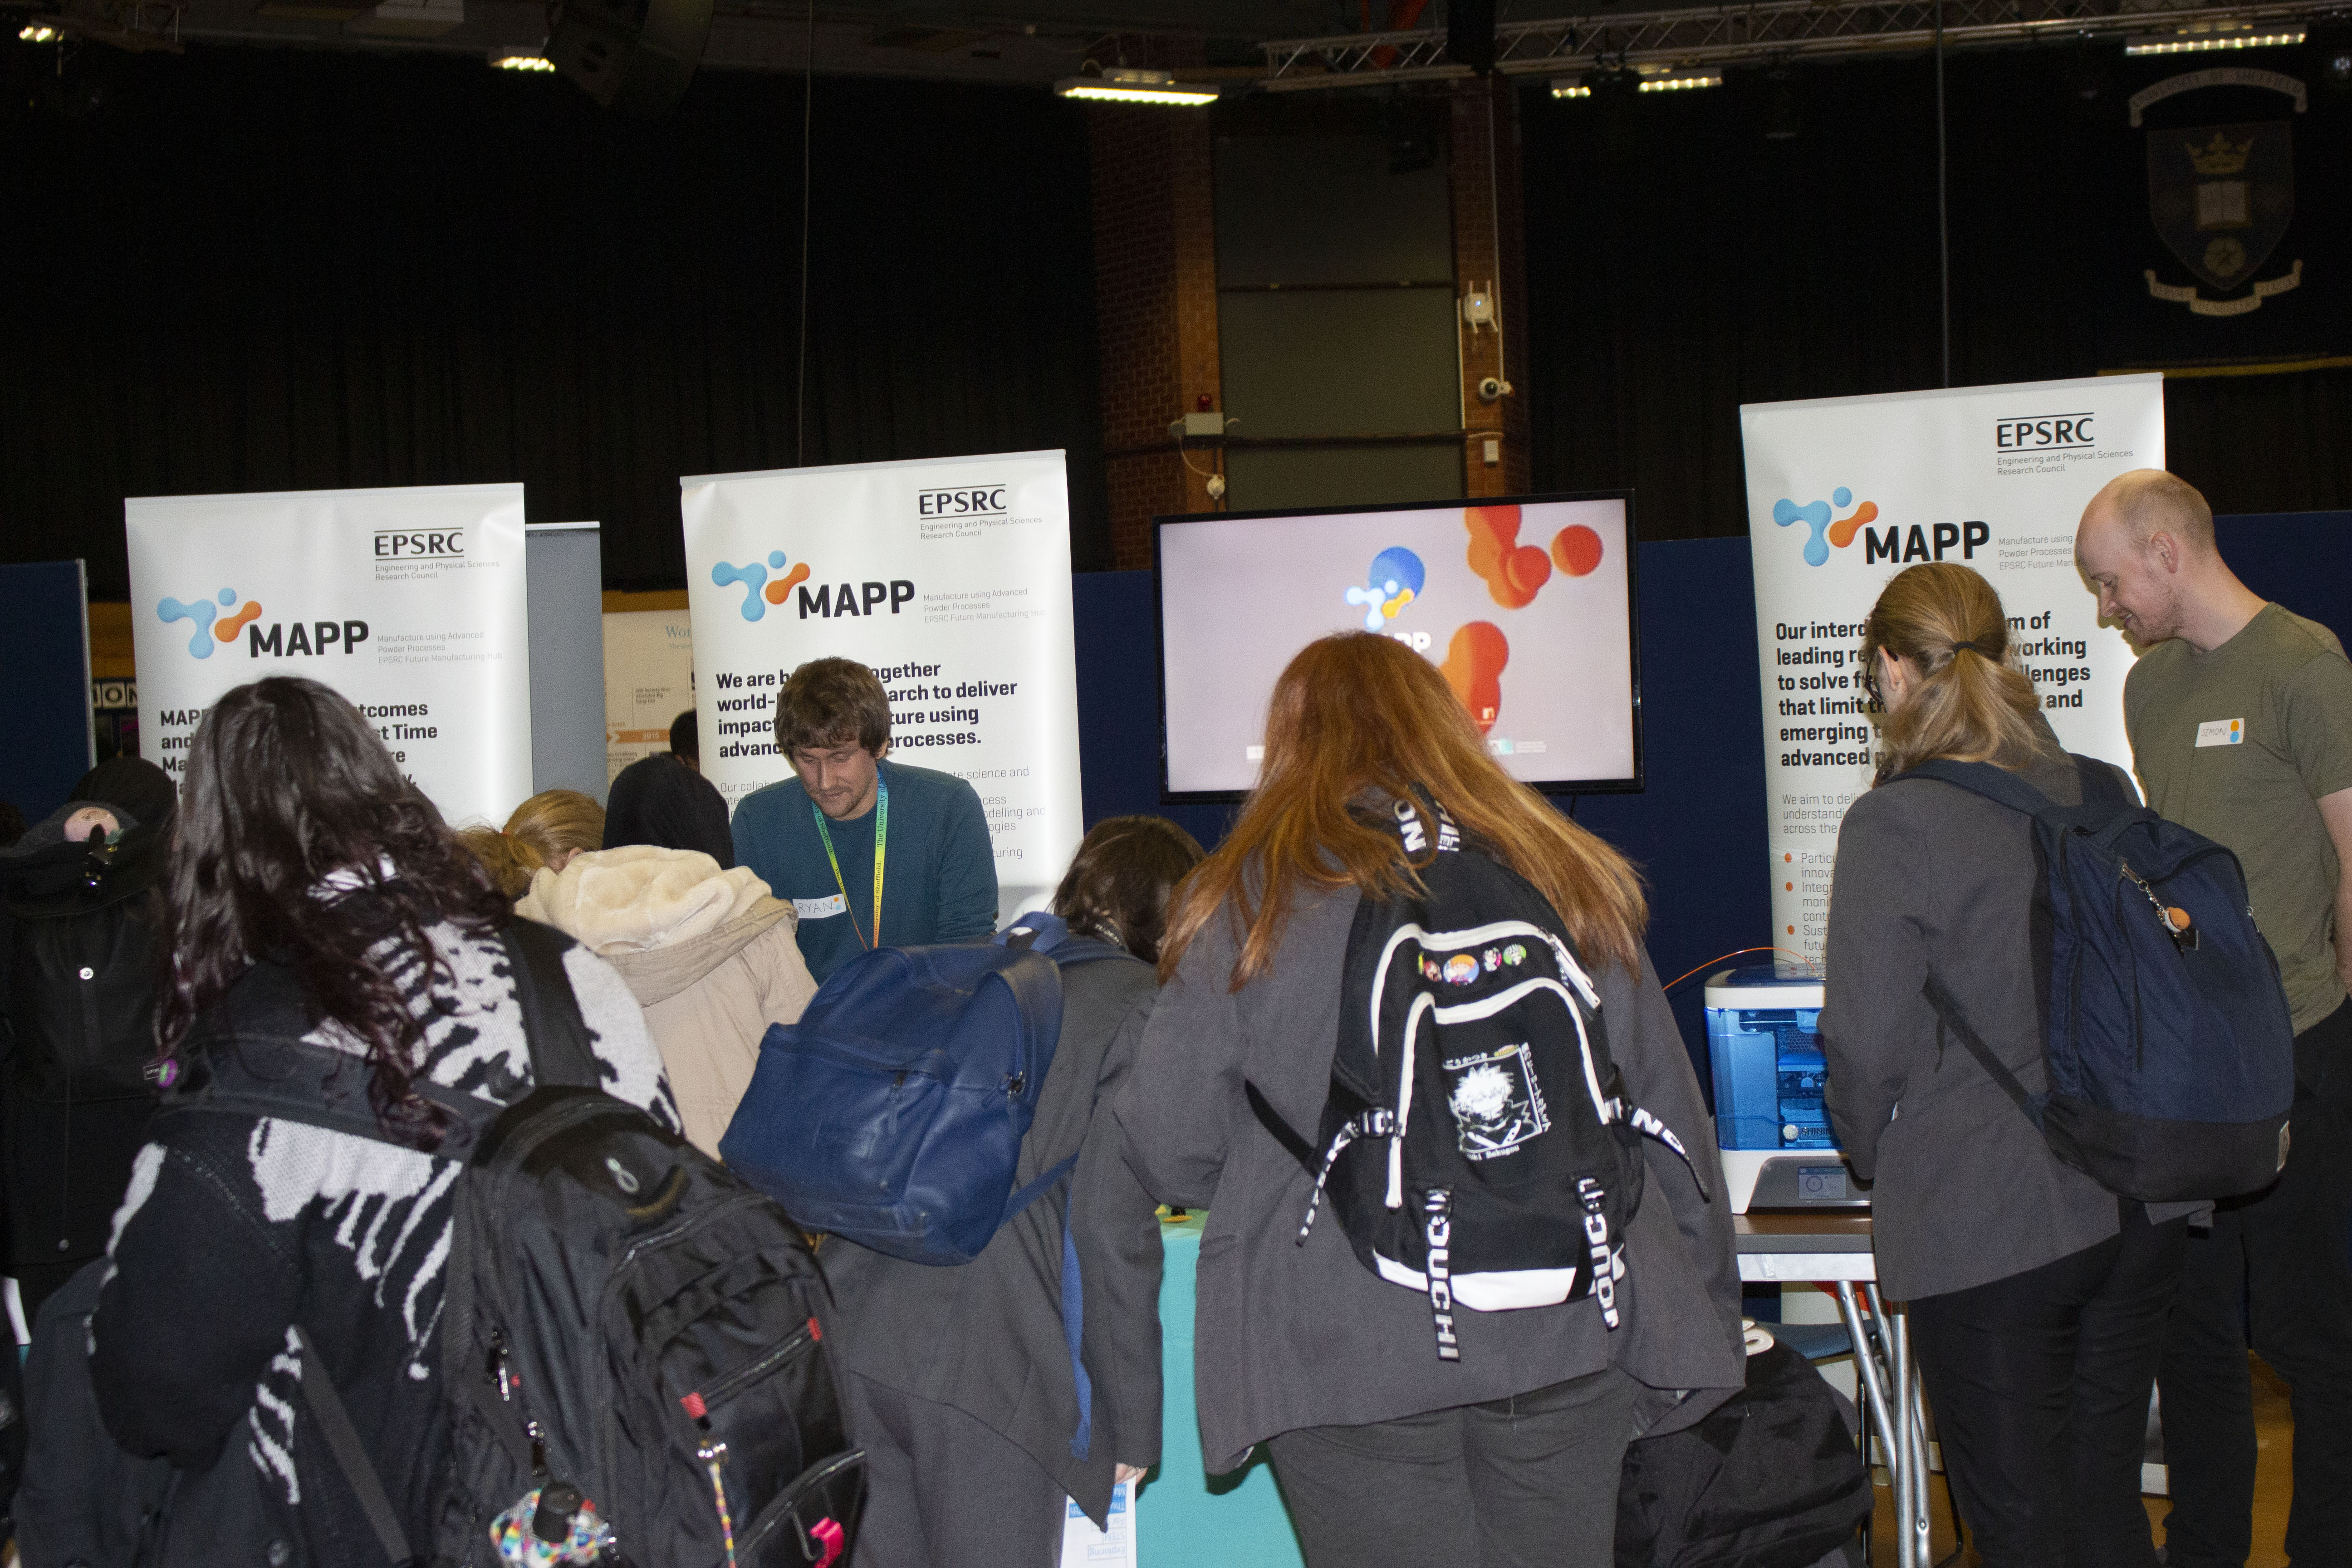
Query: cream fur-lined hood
x=641 y=897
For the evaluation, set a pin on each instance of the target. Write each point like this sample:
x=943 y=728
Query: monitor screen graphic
x=1526 y=605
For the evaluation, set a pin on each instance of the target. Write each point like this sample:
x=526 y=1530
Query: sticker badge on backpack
x=1496 y=1102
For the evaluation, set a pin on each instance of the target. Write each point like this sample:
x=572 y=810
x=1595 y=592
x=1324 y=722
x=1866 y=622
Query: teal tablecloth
x=1185 y=1518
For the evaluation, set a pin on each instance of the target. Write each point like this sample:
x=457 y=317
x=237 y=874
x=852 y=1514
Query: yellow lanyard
x=881 y=844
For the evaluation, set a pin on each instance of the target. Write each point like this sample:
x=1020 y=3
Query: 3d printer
x=1763 y=1038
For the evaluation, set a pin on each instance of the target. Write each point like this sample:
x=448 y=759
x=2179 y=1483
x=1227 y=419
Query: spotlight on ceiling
x=1682 y=81
x=2197 y=43
x=37 y=34
x=1569 y=87
x=522 y=61
x=1121 y=85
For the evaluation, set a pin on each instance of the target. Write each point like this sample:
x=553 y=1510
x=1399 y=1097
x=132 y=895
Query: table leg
x=1912 y=1516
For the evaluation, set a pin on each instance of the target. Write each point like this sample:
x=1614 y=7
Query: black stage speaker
x=635 y=56
x=1470 y=34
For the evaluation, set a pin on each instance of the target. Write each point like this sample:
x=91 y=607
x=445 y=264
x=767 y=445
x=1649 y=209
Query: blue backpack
x=892 y=1114
x=2169 y=1050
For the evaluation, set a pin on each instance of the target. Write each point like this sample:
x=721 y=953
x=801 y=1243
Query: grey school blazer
x=1288 y=1336
x=987 y=1337
x=1932 y=879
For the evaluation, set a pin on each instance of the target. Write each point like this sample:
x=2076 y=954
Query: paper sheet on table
x=1084 y=1546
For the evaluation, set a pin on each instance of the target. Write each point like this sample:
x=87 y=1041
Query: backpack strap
x=558 y=1034
x=1996 y=784
x=1949 y=1015
x=343 y=1442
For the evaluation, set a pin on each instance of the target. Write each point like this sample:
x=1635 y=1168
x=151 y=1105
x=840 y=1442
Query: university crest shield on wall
x=2220 y=197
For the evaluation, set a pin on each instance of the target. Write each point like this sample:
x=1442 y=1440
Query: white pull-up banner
x=412 y=603
x=950 y=577
x=1844 y=492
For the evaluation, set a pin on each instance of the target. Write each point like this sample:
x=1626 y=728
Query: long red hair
x=1357 y=717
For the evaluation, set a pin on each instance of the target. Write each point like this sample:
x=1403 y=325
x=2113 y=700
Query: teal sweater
x=939 y=870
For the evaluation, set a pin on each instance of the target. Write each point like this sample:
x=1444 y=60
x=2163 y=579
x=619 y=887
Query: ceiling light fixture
x=2191 y=44
x=1680 y=83
x=1571 y=86
x=1122 y=85
x=522 y=61
x=37 y=33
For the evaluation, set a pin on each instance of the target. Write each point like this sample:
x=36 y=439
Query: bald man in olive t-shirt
x=2240 y=714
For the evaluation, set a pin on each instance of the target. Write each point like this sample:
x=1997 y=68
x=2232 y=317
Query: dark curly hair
x=286 y=785
x=1118 y=885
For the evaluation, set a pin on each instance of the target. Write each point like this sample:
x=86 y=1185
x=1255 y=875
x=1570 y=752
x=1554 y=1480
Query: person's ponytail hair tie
x=1975 y=648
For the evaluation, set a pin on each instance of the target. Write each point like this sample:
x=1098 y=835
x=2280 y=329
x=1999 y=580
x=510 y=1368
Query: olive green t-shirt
x=2239 y=744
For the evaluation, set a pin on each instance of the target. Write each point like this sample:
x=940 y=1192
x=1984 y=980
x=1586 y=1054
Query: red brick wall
x=1156 y=310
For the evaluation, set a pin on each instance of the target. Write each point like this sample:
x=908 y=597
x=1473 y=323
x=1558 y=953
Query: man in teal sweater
x=871 y=853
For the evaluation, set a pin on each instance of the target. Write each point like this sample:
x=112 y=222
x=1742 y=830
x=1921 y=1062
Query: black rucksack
x=624 y=1315
x=1475 y=1145
x=1770 y=1479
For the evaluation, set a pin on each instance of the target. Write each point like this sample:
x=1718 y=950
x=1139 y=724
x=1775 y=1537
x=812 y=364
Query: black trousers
x=2038 y=1383
x=2274 y=1272
x=1525 y=1482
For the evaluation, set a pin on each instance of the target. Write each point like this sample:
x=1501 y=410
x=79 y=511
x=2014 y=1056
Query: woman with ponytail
x=2038 y=1298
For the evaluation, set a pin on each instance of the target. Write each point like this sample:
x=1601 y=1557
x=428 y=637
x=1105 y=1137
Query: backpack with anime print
x=1476 y=1146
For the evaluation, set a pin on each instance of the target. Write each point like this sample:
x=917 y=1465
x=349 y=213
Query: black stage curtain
x=1681 y=263
x=261 y=270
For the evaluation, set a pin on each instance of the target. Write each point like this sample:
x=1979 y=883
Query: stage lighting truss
x=1697 y=41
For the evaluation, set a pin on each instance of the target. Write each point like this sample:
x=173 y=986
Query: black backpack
x=624 y=1315
x=1769 y=1479
x=82 y=965
x=1475 y=1145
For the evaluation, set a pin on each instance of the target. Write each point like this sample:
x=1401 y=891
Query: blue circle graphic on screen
x=1396 y=577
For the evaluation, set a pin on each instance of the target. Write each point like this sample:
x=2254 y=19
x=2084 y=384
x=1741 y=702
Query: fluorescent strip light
x=522 y=61
x=1569 y=87
x=1123 y=85
x=2191 y=44
x=1679 y=83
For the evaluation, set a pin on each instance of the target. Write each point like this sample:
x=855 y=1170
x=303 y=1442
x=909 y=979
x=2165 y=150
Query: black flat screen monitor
x=1526 y=604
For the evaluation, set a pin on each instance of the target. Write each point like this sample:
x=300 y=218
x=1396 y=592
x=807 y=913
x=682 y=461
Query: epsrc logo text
x=2044 y=432
x=419 y=544
x=972 y=501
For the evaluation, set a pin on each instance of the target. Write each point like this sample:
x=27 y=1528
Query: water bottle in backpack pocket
x=2167 y=1044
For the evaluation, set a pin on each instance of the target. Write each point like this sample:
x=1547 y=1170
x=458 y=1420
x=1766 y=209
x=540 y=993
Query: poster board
x=412 y=603
x=648 y=682
x=950 y=577
x=1844 y=493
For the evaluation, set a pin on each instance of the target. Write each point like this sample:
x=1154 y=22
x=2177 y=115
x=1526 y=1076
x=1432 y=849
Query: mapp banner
x=411 y=603
x=1844 y=493
x=950 y=577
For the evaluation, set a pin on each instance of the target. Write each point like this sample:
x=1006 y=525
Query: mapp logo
x=828 y=600
x=2044 y=432
x=419 y=544
x=972 y=501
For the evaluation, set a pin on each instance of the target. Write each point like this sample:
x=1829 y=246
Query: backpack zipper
x=768 y=1361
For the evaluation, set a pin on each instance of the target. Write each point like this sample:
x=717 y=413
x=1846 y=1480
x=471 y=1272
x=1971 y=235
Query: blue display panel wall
x=45 y=649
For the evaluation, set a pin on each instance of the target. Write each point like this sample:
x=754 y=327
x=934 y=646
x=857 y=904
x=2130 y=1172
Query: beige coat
x=711 y=957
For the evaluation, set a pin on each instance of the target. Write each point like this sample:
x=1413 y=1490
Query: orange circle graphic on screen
x=1475 y=658
x=1576 y=550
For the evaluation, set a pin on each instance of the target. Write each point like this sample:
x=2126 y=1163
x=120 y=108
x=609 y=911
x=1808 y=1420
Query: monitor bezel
x=1159 y=525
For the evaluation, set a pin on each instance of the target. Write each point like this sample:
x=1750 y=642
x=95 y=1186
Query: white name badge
x=2222 y=732
x=834 y=904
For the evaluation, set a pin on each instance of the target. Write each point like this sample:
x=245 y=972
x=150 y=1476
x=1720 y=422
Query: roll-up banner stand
x=412 y=603
x=950 y=577
x=1844 y=492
